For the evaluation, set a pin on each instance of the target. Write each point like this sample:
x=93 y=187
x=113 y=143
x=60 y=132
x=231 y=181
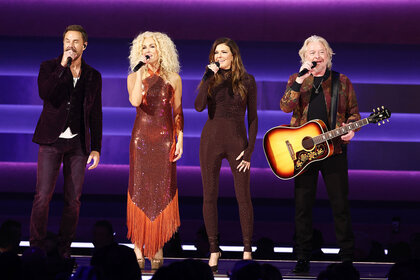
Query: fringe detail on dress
x=148 y=235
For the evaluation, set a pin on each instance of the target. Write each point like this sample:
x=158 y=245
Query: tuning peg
x=378 y=109
x=383 y=122
x=387 y=120
x=374 y=110
x=379 y=124
x=383 y=107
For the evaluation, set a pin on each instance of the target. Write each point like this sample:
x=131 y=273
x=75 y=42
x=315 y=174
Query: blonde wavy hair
x=168 y=55
x=316 y=38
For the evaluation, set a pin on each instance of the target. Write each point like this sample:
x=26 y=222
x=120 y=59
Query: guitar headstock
x=379 y=115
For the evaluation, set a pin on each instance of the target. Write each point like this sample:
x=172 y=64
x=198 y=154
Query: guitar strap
x=335 y=81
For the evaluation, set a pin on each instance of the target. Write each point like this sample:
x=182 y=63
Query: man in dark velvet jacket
x=69 y=131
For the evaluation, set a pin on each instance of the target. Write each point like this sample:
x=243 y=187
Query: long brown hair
x=237 y=67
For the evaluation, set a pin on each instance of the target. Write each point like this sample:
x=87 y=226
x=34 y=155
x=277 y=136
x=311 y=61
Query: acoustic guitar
x=289 y=150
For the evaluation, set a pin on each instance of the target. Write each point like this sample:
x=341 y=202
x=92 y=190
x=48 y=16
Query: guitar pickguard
x=303 y=158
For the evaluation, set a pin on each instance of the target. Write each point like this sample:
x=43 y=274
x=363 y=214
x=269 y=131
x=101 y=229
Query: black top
x=75 y=108
x=317 y=105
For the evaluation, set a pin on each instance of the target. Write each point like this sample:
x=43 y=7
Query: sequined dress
x=152 y=203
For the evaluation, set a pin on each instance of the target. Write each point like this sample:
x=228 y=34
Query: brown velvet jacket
x=55 y=84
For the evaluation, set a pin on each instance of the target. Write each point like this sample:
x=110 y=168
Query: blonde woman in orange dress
x=156 y=144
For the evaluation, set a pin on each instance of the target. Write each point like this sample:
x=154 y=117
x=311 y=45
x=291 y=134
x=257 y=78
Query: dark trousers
x=70 y=153
x=334 y=170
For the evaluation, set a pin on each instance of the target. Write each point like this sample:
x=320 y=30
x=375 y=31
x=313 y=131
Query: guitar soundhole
x=308 y=143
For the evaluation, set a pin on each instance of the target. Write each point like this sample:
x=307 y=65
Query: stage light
x=188 y=247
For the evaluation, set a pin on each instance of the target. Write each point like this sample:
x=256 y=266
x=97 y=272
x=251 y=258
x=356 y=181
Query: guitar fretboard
x=339 y=131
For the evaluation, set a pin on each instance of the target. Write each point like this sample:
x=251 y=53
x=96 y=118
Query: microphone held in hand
x=69 y=61
x=140 y=64
x=304 y=71
x=210 y=72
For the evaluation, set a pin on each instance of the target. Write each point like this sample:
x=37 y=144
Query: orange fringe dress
x=152 y=202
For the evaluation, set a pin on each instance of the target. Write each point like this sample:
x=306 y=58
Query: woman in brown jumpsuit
x=227 y=91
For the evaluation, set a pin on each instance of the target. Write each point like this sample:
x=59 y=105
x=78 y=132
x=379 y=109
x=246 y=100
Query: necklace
x=317 y=88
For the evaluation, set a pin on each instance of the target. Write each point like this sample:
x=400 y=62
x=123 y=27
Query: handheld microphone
x=69 y=60
x=141 y=63
x=209 y=72
x=304 y=71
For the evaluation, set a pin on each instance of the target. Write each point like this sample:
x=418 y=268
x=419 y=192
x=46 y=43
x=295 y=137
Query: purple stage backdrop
x=356 y=21
x=376 y=42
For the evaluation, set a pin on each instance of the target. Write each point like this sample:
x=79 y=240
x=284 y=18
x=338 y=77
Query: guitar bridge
x=290 y=149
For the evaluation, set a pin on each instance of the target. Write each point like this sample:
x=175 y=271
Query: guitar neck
x=339 y=131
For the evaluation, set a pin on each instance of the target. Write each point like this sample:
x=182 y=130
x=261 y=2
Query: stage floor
x=368 y=270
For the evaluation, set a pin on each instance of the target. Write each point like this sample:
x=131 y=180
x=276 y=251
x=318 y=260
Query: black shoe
x=215 y=268
x=302 y=266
